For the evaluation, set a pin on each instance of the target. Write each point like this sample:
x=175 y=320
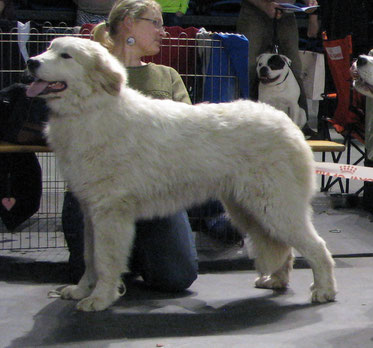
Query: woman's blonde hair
x=105 y=32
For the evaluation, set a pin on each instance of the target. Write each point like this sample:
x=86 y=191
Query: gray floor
x=221 y=309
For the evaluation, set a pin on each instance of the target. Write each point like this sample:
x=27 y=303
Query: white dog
x=278 y=86
x=362 y=72
x=127 y=156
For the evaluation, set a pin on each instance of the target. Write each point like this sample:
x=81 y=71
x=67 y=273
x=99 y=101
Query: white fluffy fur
x=127 y=156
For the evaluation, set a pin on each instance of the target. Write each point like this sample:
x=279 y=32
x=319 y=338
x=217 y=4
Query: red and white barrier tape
x=345 y=171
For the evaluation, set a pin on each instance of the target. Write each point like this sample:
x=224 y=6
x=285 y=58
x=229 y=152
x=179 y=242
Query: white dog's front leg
x=88 y=280
x=113 y=235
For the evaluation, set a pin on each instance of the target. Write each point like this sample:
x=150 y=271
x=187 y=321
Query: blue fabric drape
x=225 y=65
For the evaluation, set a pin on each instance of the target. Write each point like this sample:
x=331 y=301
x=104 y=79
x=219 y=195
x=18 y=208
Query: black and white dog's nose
x=263 y=71
x=32 y=65
x=361 y=61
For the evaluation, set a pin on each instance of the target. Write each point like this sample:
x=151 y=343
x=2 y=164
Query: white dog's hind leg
x=313 y=248
x=113 y=239
x=296 y=229
x=273 y=259
x=88 y=280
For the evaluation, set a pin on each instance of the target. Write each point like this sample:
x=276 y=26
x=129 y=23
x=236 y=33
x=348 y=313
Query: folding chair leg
x=368 y=190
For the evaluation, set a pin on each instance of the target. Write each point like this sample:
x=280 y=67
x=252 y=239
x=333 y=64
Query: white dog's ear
x=370 y=52
x=107 y=74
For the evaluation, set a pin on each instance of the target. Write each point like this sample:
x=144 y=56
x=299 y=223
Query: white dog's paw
x=100 y=301
x=322 y=295
x=95 y=303
x=74 y=292
x=271 y=282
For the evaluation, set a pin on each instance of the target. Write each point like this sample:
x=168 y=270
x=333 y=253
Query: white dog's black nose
x=32 y=65
x=361 y=61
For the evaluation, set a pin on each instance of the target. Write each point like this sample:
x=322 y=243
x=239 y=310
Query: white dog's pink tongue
x=36 y=88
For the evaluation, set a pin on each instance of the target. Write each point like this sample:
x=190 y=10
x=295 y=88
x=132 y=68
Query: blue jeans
x=164 y=252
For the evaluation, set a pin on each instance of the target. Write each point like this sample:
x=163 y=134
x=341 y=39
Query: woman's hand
x=271 y=8
x=311 y=3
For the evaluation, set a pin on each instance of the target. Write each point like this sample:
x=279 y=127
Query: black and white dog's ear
x=370 y=52
x=258 y=57
x=286 y=59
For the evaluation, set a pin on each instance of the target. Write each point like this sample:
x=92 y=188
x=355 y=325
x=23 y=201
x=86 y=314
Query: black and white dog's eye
x=65 y=56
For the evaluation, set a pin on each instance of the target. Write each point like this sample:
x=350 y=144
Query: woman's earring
x=131 y=41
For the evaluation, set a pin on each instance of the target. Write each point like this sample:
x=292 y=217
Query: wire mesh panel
x=12 y=44
x=202 y=63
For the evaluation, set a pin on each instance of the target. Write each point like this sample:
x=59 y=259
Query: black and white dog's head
x=362 y=73
x=272 y=68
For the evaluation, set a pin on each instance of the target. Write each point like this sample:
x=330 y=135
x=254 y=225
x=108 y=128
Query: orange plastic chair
x=348 y=118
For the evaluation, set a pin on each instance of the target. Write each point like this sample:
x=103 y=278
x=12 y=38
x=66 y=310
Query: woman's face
x=148 y=32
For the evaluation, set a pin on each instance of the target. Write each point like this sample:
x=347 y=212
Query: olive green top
x=158 y=81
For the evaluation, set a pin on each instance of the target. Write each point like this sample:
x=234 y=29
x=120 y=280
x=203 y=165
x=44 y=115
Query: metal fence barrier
x=201 y=63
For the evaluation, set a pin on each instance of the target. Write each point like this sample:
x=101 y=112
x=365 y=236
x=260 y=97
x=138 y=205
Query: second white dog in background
x=362 y=73
x=278 y=86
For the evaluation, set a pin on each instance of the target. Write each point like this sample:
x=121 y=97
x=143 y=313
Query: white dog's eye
x=65 y=56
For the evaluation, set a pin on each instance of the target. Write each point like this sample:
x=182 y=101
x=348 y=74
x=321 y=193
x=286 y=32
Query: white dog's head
x=272 y=68
x=362 y=73
x=75 y=66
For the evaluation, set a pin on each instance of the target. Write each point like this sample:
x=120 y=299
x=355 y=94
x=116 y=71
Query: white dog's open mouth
x=40 y=87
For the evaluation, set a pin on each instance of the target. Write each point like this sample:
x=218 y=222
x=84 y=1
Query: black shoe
x=221 y=229
x=310 y=134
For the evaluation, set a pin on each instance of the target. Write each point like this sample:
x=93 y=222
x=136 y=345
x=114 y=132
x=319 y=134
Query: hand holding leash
x=271 y=8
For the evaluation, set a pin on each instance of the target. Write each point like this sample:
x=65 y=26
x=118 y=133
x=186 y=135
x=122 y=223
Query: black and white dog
x=362 y=73
x=278 y=86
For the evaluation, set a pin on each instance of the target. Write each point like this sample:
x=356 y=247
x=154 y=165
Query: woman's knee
x=173 y=279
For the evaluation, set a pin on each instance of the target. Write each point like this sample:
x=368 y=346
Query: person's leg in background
x=210 y=218
x=368 y=186
x=289 y=46
x=165 y=253
x=73 y=229
x=258 y=29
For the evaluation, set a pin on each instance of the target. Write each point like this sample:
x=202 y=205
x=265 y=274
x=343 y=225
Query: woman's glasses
x=157 y=23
